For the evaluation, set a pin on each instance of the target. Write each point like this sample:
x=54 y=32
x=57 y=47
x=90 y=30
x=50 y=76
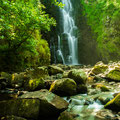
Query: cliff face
x=88 y=50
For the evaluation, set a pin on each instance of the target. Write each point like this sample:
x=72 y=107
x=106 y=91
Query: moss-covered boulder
x=101 y=86
x=81 y=88
x=28 y=108
x=114 y=74
x=54 y=70
x=50 y=104
x=39 y=72
x=18 y=79
x=34 y=84
x=34 y=105
x=79 y=76
x=99 y=68
x=68 y=116
x=63 y=87
x=114 y=104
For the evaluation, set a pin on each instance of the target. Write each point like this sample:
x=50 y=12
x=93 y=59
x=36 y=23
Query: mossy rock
x=54 y=70
x=34 y=105
x=39 y=72
x=99 y=68
x=63 y=87
x=68 y=116
x=34 y=84
x=18 y=78
x=79 y=76
x=114 y=75
x=114 y=104
x=81 y=88
x=50 y=104
x=28 y=108
x=101 y=86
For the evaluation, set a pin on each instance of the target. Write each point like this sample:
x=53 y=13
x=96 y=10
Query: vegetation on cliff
x=104 y=18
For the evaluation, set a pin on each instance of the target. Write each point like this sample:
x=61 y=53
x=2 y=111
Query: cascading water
x=69 y=29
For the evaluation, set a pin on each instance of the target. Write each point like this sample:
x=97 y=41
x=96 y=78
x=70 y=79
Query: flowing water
x=69 y=29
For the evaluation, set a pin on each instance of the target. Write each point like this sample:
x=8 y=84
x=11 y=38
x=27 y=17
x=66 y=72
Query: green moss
x=79 y=76
x=64 y=87
x=36 y=84
x=114 y=74
x=99 y=69
x=114 y=103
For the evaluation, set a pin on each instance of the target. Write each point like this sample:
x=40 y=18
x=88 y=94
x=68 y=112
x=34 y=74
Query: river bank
x=62 y=92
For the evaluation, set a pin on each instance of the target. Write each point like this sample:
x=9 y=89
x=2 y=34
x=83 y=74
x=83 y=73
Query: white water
x=69 y=29
x=59 y=50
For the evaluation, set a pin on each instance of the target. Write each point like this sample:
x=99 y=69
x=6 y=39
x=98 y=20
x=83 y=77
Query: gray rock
x=79 y=76
x=33 y=105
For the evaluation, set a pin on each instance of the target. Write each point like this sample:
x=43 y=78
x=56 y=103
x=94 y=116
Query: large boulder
x=114 y=104
x=28 y=108
x=100 y=86
x=18 y=79
x=99 y=68
x=81 y=88
x=68 y=116
x=114 y=74
x=54 y=70
x=79 y=76
x=63 y=87
x=34 y=84
x=39 y=72
x=34 y=105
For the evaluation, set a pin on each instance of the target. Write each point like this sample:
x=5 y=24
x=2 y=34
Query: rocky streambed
x=62 y=92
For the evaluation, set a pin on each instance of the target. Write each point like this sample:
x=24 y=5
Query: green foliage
x=21 y=22
x=104 y=18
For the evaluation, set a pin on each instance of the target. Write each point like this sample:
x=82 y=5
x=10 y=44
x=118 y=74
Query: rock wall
x=87 y=51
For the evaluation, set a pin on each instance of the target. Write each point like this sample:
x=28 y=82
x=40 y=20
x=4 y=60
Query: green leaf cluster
x=103 y=16
x=21 y=24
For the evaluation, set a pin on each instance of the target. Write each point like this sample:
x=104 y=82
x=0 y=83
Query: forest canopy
x=103 y=16
x=21 y=23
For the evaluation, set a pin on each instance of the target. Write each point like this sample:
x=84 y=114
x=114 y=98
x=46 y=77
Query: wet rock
x=34 y=84
x=68 y=116
x=114 y=75
x=64 y=87
x=28 y=108
x=39 y=72
x=106 y=115
x=54 y=70
x=99 y=68
x=114 y=104
x=12 y=118
x=79 y=76
x=90 y=79
x=65 y=74
x=50 y=104
x=104 y=99
x=100 y=86
x=18 y=79
x=33 y=105
x=81 y=88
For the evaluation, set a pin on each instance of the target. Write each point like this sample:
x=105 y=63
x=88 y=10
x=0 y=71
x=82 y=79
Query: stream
x=89 y=106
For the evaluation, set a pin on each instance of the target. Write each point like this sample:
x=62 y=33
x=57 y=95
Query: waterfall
x=69 y=29
x=59 y=50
